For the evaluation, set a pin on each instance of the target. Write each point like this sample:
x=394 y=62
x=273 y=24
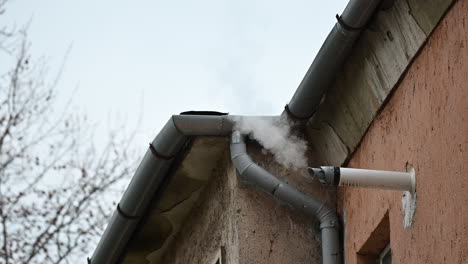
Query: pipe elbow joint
x=329 y=221
x=327 y=217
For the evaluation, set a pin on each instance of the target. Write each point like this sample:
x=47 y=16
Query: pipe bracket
x=158 y=155
x=125 y=215
x=346 y=26
x=295 y=117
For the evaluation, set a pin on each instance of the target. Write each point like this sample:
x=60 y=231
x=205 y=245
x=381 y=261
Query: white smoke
x=275 y=135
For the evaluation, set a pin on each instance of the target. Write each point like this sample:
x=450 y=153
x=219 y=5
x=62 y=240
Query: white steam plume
x=274 y=134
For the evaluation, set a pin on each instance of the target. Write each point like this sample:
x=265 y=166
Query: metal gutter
x=149 y=175
x=256 y=175
x=330 y=58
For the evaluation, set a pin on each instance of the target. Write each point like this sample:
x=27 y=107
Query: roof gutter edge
x=150 y=175
x=336 y=48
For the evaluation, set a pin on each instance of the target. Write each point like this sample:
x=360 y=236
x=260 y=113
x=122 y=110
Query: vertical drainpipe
x=329 y=226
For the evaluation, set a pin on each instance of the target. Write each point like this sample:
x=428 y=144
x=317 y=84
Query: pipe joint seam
x=327 y=217
x=241 y=172
x=235 y=156
x=223 y=122
x=175 y=126
x=329 y=222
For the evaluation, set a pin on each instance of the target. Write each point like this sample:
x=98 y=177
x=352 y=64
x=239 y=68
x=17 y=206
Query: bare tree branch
x=54 y=183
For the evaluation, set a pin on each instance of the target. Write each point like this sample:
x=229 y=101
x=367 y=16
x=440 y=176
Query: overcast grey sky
x=164 y=57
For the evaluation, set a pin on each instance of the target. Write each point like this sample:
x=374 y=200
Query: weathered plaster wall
x=211 y=224
x=253 y=227
x=425 y=124
x=271 y=232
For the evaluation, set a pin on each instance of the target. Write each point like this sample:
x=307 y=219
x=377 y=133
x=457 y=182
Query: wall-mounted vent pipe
x=377 y=179
x=256 y=175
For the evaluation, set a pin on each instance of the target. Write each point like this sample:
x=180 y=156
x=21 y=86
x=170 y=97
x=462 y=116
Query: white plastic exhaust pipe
x=390 y=180
x=376 y=179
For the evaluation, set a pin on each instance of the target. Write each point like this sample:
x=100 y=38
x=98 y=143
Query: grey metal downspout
x=329 y=59
x=248 y=170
